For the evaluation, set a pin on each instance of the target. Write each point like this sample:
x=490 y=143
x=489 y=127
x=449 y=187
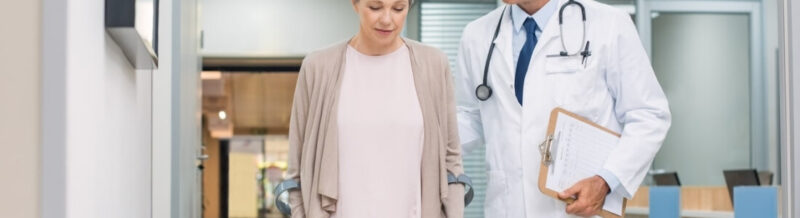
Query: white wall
x=274 y=27
x=162 y=113
x=102 y=119
x=20 y=94
x=107 y=121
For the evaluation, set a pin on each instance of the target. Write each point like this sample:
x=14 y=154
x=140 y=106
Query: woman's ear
x=355 y=8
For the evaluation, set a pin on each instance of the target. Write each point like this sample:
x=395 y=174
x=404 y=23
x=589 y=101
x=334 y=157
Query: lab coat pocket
x=562 y=64
x=496 y=194
x=577 y=88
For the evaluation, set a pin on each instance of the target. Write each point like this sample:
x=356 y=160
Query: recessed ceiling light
x=222 y=115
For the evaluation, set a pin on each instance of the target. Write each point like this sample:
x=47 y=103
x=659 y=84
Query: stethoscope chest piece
x=483 y=92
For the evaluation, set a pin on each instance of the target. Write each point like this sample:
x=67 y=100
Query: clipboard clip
x=544 y=149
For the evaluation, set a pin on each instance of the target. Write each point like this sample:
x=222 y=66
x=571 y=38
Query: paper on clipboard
x=578 y=150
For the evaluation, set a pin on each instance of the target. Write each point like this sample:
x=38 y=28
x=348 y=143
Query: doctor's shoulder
x=481 y=29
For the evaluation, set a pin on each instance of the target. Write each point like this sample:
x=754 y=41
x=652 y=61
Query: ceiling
x=254 y=103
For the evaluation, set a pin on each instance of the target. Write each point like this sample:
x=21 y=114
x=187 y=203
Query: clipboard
x=545 y=148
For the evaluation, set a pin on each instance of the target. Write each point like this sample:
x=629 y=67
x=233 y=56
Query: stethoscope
x=484 y=91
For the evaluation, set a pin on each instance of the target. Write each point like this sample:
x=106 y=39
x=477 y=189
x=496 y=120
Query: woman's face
x=381 y=20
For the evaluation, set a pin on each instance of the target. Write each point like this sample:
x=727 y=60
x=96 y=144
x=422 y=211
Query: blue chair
x=665 y=202
x=755 y=202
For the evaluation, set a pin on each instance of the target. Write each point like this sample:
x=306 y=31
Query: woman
x=373 y=131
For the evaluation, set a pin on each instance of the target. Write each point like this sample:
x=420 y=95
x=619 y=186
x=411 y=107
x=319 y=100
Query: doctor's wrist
x=611 y=180
x=604 y=186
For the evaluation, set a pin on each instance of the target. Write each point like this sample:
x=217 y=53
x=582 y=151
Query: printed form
x=579 y=151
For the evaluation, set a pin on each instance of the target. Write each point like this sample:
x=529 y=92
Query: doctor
x=609 y=81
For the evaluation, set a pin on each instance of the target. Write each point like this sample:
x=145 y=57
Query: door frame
x=759 y=155
x=790 y=104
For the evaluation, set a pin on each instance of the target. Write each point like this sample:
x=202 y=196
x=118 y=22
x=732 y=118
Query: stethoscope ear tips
x=483 y=92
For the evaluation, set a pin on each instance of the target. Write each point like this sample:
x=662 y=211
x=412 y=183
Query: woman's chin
x=384 y=40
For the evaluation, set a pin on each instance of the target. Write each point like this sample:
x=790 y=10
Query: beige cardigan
x=313 y=149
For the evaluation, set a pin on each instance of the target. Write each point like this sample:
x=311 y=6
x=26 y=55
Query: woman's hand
x=454 y=207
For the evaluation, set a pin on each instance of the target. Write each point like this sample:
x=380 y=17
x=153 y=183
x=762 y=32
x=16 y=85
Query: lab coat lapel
x=551 y=33
x=503 y=41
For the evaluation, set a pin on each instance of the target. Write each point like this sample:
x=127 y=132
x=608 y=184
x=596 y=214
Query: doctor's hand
x=590 y=193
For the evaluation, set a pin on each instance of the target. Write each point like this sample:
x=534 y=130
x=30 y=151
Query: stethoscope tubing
x=485 y=85
x=561 y=27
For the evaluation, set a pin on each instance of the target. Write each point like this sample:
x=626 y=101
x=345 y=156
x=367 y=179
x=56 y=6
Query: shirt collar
x=541 y=17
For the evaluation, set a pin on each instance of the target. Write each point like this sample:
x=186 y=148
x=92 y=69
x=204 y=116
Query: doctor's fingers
x=578 y=208
x=584 y=205
x=583 y=209
x=580 y=203
x=589 y=209
x=572 y=191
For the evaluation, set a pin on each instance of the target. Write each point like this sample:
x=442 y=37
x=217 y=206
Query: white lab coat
x=616 y=88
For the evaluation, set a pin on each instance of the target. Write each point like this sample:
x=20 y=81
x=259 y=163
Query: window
x=441 y=26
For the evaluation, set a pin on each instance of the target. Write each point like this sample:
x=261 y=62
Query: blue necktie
x=525 y=57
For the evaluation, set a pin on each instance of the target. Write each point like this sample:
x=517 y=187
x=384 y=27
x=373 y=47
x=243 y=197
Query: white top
x=380 y=137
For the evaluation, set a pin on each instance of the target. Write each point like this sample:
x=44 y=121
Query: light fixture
x=223 y=115
x=210 y=75
x=133 y=25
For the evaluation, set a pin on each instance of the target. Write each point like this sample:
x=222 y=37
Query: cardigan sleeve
x=454 y=205
x=453 y=155
x=297 y=129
